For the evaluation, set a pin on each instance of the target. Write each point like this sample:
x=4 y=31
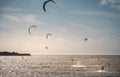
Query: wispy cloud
x=29 y=19
x=14 y=18
x=116 y=6
x=11 y=9
x=94 y=13
x=87 y=13
x=32 y=19
x=60 y=39
x=104 y=2
x=112 y=3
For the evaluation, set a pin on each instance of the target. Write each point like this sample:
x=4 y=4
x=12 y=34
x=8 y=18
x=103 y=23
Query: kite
x=46 y=3
x=85 y=39
x=29 y=29
x=46 y=48
x=48 y=35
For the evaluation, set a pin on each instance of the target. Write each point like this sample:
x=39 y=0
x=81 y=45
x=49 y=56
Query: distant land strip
x=7 y=53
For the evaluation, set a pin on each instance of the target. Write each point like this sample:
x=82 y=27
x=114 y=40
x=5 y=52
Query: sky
x=69 y=22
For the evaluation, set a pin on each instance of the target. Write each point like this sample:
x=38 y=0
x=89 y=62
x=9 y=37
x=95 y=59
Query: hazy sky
x=69 y=22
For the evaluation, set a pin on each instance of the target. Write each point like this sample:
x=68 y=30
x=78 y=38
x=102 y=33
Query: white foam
x=78 y=66
x=101 y=71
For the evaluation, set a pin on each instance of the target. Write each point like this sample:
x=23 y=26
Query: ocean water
x=60 y=66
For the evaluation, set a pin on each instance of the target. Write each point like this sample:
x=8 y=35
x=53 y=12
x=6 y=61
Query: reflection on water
x=59 y=66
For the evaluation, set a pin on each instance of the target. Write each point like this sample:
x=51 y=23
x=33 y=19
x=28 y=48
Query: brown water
x=59 y=66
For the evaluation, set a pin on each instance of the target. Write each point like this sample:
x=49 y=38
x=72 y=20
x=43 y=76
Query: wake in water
x=78 y=65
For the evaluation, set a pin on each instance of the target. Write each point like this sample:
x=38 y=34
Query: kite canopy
x=85 y=39
x=29 y=29
x=46 y=48
x=48 y=35
x=47 y=1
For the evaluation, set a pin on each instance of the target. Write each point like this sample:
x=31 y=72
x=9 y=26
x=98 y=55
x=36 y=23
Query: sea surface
x=60 y=66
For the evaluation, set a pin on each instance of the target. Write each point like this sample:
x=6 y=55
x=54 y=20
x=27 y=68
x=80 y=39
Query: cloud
x=105 y=2
x=14 y=18
x=116 y=6
x=63 y=29
x=60 y=39
x=94 y=13
x=32 y=19
x=11 y=9
x=29 y=19
x=86 y=13
x=112 y=3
